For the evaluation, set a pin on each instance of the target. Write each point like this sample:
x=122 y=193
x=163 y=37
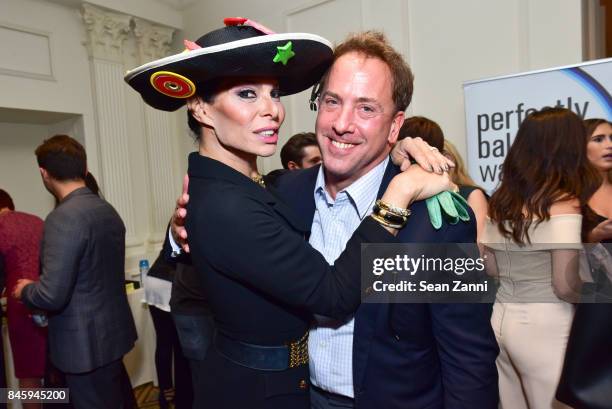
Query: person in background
x=82 y=286
x=475 y=196
x=20 y=239
x=301 y=151
x=532 y=241
x=424 y=128
x=586 y=380
x=597 y=226
x=2 y=364
x=168 y=353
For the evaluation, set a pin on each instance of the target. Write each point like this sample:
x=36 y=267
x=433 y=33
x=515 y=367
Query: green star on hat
x=284 y=53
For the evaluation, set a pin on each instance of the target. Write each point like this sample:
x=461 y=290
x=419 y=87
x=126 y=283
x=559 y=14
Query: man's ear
x=291 y=165
x=396 y=125
x=44 y=174
x=200 y=110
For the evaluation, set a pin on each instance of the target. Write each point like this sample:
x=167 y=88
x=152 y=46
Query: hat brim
x=251 y=57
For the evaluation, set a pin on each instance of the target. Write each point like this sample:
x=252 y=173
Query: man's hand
x=177 y=225
x=19 y=287
x=428 y=157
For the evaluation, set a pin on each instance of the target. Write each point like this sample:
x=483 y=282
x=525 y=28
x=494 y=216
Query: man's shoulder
x=420 y=228
x=298 y=177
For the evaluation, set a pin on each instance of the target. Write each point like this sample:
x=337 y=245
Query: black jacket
x=262 y=279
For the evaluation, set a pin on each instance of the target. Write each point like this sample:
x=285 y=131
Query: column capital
x=106 y=32
x=153 y=40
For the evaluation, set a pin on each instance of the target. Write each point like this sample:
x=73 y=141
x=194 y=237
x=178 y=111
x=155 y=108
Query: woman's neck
x=245 y=163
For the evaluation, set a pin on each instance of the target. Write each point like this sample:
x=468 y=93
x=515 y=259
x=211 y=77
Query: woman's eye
x=247 y=94
x=598 y=139
x=275 y=94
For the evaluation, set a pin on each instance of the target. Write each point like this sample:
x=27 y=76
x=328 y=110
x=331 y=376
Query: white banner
x=495 y=108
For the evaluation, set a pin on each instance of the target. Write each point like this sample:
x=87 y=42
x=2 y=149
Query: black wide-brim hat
x=296 y=60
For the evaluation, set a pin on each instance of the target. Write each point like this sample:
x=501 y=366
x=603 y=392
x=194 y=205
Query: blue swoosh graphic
x=593 y=86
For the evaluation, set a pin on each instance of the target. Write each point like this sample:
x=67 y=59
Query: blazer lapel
x=368 y=316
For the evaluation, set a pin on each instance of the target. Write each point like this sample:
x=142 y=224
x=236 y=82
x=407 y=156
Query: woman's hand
x=601 y=232
x=415 y=184
x=425 y=155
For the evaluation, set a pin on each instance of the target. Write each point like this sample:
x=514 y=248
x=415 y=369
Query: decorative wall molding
x=37 y=63
x=153 y=40
x=106 y=32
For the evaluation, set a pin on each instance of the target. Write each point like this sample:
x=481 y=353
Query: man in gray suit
x=82 y=282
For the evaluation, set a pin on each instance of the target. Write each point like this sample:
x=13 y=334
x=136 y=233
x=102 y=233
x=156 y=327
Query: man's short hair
x=293 y=150
x=425 y=128
x=63 y=157
x=6 y=200
x=374 y=44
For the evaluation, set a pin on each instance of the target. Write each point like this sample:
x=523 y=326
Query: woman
x=470 y=191
x=263 y=281
x=20 y=240
x=533 y=236
x=597 y=226
x=586 y=380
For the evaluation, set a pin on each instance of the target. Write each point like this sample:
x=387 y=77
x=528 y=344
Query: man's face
x=312 y=156
x=357 y=122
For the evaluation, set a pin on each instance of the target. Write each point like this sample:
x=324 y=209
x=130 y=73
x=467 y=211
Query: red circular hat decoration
x=172 y=84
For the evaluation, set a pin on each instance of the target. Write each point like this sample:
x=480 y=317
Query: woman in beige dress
x=533 y=240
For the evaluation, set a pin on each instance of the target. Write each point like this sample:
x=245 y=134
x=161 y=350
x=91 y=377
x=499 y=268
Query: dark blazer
x=262 y=280
x=82 y=284
x=418 y=356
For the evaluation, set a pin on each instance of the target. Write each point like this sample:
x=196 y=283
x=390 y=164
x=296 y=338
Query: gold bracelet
x=385 y=222
x=393 y=209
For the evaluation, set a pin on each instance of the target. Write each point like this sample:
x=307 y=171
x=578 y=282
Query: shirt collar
x=362 y=192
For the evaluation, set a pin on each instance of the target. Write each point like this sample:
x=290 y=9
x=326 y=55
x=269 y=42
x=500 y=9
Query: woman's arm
x=478 y=202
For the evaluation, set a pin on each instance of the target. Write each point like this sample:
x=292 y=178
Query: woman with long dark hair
x=533 y=241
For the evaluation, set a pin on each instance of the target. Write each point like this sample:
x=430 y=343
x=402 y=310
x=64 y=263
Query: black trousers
x=167 y=348
x=103 y=388
x=195 y=334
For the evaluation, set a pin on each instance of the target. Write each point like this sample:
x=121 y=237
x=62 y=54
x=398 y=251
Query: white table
x=139 y=362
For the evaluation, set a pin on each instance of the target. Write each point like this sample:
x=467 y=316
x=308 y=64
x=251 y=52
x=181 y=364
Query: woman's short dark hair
x=63 y=157
x=6 y=200
x=425 y=128
x=546 y=163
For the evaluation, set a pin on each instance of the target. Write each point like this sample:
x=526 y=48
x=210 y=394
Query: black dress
x=586 y=379
x=263 y=282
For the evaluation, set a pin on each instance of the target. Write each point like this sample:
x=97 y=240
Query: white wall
x=445 y=42
x=46 y=66
x=19 y=174
x=68 y=87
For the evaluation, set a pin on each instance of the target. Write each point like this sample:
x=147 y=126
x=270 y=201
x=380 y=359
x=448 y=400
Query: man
x=82 y=283
x=301 y=152
x=392 y=356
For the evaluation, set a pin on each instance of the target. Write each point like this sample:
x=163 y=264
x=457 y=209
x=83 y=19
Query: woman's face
x=599 y=147
x=246 y=116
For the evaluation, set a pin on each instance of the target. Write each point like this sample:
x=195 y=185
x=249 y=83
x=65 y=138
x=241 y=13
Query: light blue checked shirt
x=330 y=344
